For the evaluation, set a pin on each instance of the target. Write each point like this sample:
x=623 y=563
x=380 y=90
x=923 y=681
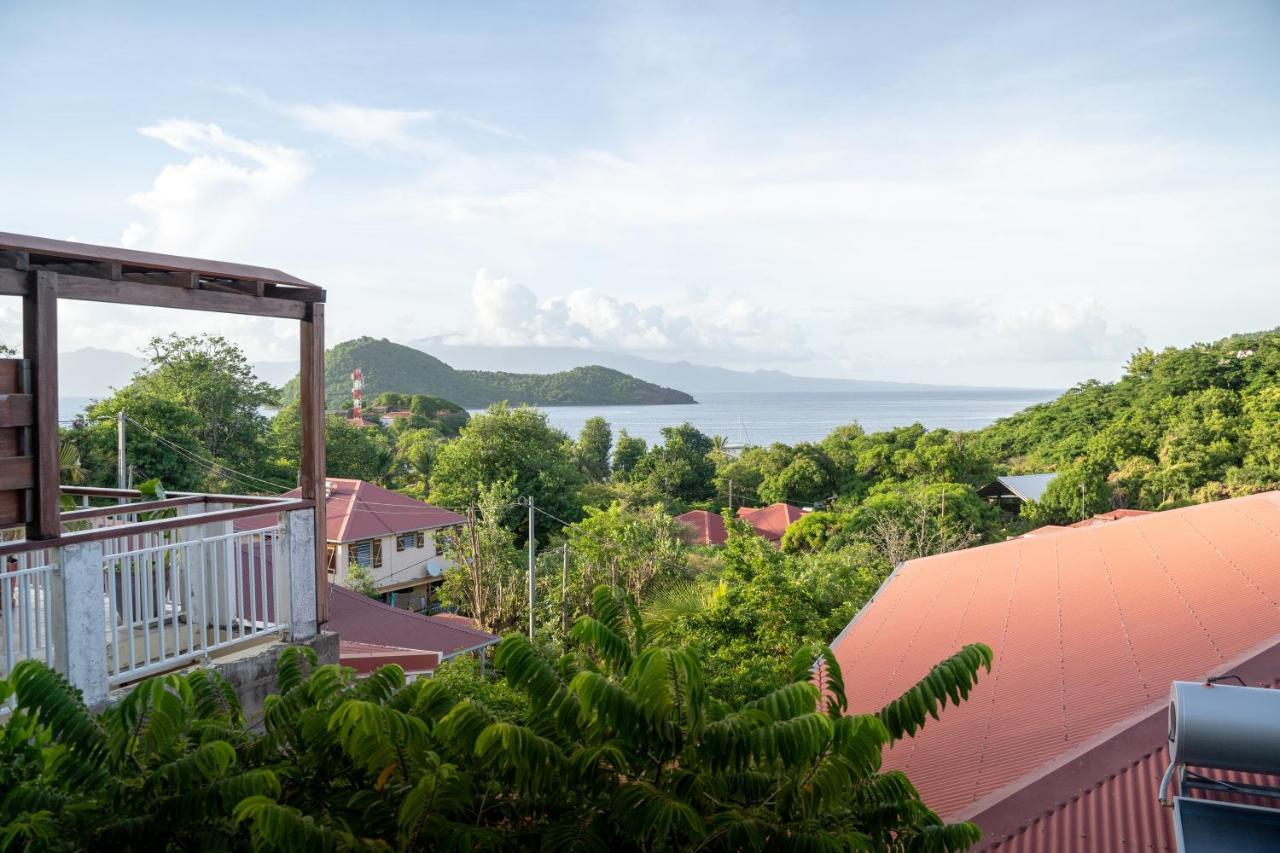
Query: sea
x=784 y=416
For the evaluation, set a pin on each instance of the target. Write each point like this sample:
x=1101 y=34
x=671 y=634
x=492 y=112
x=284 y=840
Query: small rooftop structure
x=705 y=528
x=1056 y=749
x=772 y=521
x=1013 y=490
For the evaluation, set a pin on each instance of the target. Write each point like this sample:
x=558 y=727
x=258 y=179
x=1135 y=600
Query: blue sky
x=1011 y=193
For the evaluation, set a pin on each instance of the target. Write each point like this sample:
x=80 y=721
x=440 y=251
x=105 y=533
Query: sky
x=989 y=193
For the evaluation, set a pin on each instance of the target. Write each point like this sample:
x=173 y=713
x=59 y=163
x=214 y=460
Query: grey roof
x=1029 y=487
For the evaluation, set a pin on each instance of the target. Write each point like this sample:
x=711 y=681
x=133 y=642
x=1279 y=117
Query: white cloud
x=204 y=205
x=362 y=127
x=508 y=313
x=1061 y=332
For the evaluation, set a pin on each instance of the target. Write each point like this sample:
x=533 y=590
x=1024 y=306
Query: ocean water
x=788 y=417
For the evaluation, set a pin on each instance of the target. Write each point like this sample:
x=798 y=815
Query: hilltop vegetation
x=392 y=367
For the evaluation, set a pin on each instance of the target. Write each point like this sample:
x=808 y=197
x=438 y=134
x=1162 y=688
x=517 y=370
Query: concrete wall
x=398 y=567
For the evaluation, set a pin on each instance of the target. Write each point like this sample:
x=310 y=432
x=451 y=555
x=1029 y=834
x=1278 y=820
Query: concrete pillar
x=299 y=577
x=80 y=625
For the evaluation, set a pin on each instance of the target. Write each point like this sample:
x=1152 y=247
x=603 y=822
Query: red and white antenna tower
x=357 y=393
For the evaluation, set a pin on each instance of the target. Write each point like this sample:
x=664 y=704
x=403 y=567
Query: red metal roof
x=773 y=520
x=356 y=510
x=358 y=618
x=1114 y=515
x=1089 y=627
x=707 y=527
x=366 y=657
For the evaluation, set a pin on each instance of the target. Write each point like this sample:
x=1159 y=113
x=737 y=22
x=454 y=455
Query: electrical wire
x=212 y=464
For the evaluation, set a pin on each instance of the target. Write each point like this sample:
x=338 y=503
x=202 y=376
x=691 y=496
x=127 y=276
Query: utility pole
x=122 y=468
x=731 y=496
x=532 y=556
x=564 y=592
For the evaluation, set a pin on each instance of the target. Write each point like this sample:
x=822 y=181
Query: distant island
x=392 y=367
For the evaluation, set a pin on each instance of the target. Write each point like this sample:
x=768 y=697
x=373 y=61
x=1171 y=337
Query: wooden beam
x=161 y=296
x=311 y=382
x=17 y=472
x=16 y=410
x=40 y=348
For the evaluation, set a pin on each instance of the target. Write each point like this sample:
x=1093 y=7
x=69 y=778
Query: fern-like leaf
x=951 y=680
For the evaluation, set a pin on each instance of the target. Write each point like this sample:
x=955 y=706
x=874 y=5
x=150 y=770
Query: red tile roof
x=358 y=618
x=356 y=510
x=771 y=521
x=707 y=528
x=1089 y=626
x=1114 y=515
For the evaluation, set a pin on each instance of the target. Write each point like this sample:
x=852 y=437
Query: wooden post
x=40 y=348
x=311 y=380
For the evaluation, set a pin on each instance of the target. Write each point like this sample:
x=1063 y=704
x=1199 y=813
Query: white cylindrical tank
x=1225 y=727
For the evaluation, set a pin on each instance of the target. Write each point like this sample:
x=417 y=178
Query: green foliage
x=486 y=578
x=362 y=453
x=444 y=417
x=396 y=368
x=618 y=745
x=681 y=468
x=628 y=450
x=593 y=447
x=516 y=447
x=360 y=579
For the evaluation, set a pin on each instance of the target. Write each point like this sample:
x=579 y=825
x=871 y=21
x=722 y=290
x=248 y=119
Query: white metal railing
x=178 y=595
x=26 y=610
x=131 y=589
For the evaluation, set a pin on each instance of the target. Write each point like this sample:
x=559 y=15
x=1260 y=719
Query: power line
x=212 y=464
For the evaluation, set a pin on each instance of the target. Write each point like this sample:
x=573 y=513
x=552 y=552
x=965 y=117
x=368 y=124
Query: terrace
x=107 y=585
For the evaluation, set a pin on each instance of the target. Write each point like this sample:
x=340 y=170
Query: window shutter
x=377 y=553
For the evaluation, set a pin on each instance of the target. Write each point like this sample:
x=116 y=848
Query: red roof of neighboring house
x=1114 y=515
x=1089 y=627
x=771 y=521
x=707 y=527
x=358 y=618
x=356 y=510
x=366 y=657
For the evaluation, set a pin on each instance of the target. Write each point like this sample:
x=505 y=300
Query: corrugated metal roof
x=360 y=619
x=1029 y=487
x=1089 y=626
x=707 y=527
x=356 y=510
x=366 y=657
x=1122 y=813
x=773 y=520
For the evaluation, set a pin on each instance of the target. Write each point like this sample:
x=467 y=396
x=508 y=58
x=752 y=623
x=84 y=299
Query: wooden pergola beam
x=159 y=295
x=311 y=414
x=40 y=349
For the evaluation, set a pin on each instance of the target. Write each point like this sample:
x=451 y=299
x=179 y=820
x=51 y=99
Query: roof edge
x=1012 y=808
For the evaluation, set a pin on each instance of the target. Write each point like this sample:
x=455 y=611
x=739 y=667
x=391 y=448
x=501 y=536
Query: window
x=406 y=540
x=420 y=539
x=368 y=553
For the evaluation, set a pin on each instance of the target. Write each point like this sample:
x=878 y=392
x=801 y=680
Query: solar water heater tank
x=1224 y=727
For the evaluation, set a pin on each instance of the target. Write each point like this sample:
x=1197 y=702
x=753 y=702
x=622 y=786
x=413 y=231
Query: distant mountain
x=389 y=366
x=694 y=378
x=93 y=372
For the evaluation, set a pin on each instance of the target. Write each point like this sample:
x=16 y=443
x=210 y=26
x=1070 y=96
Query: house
x=1062 y=746
x=387 y=419
x=373 y=634
x=390 y=534
x=771 y=521
x=1012 y=491
x=705 y=528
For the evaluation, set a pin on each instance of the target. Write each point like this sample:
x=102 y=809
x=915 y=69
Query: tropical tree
x=594 y=443
x=486 y=578
x=628 y=450
x=618 y=747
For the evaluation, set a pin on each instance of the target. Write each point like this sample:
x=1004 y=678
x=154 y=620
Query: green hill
x=392 y=367
x=1181 y=426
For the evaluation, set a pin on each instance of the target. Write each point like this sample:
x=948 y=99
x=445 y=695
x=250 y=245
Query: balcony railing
x=136 y=586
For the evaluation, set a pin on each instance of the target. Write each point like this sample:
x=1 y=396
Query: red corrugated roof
x=1114 y=515
x=360 y=619
x=771 y=521
x=1089 y=627
x=707 y=527
x=366 y=657
x=356 y=510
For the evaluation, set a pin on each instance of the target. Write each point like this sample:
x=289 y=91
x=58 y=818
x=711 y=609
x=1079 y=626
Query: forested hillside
x=395 y=368
x=1182 y=425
